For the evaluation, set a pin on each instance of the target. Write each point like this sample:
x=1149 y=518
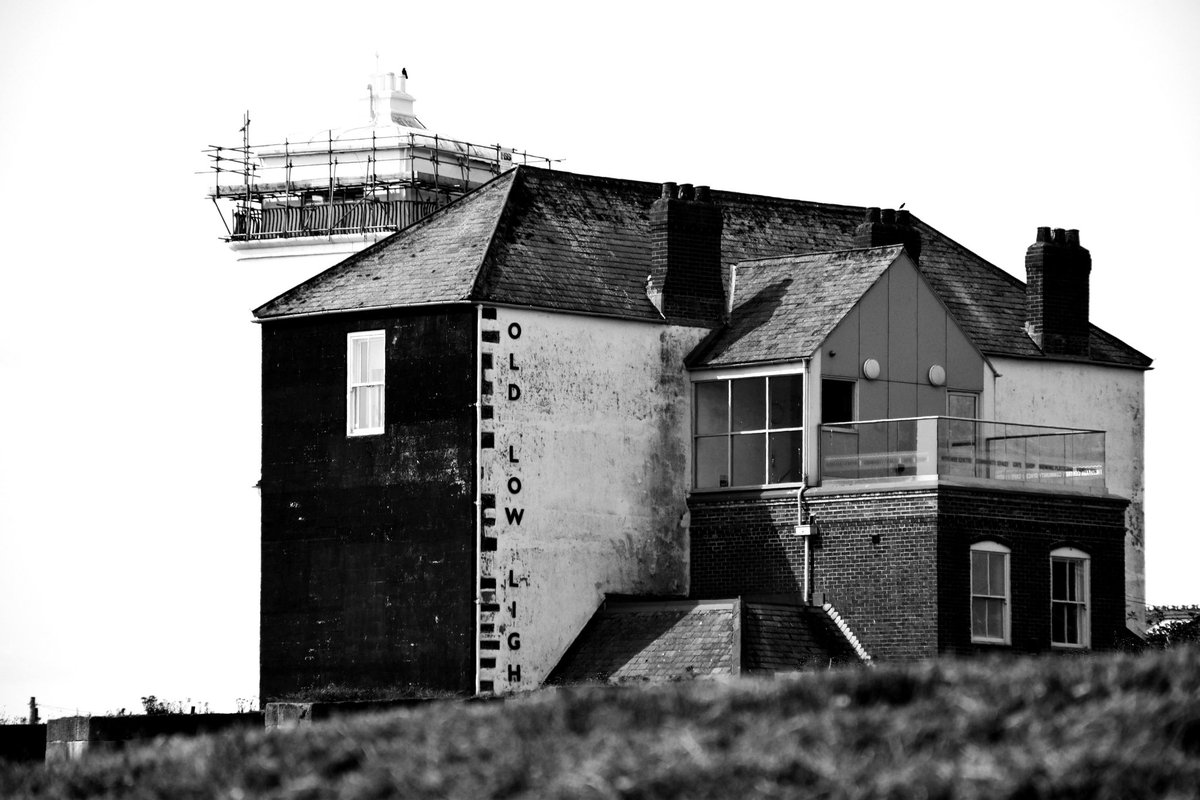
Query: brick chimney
x=1057 y=270
x=881 y=228
x=685 y=254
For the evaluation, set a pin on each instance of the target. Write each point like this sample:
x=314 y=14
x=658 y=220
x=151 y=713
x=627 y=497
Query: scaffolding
x=342 y=184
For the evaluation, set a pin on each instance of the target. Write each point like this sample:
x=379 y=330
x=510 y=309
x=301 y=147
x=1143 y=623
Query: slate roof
x=784 y=308
x=788 y=637
x=650 y=641
x=638 y=640
x=561 y=241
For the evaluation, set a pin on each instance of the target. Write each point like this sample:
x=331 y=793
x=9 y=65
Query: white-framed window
x=990 y=600
x=1069 y=598
x=748 y=431
x=365 y=361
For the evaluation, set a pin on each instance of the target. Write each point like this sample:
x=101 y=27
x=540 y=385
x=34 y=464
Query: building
x=560 y=394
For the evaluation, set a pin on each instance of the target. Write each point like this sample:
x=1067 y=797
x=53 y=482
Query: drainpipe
x=804 y=531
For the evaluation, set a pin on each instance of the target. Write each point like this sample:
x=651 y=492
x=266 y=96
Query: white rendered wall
x=1096 y=397
x=590 y=472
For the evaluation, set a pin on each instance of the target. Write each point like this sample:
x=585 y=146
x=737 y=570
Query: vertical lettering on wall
x=503 y=394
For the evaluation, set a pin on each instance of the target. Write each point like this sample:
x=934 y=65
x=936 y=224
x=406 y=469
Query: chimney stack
x=1057 y=272
x=685 y=254
x=888 y=226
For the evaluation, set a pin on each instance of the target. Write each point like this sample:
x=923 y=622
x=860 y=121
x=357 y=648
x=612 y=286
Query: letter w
x=514 y=515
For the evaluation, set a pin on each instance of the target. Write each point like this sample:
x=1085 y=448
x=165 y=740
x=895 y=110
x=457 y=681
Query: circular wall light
x=870 y=369
x=937 y=375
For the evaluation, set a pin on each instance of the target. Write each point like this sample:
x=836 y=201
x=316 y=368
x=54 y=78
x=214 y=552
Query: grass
x=1118 y=726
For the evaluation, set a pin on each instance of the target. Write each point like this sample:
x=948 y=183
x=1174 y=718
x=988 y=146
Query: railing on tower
x=346 y=184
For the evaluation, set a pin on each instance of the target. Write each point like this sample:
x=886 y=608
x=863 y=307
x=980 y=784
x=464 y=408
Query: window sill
x=747 y=492
x=359 y=434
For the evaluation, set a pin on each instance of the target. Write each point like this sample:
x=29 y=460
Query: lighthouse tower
x=309 y=203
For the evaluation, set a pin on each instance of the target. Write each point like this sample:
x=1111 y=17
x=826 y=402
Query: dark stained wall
x=369 y=542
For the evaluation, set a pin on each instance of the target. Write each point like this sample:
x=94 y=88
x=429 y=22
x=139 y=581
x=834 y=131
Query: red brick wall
x=875 y=562
x=745 y=545
x=1031 y=525
x=896 y=564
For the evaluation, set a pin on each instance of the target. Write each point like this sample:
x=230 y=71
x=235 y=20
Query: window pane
x=749 y=405
x=996 y=583
x=1073 y=574
x=712 y=456
x=784 y=465
x=1058 y=579
x=368 y=407
x=358 y=370
x=749 y=459
x=979 y=572
x=374 y=369
x=1058 y=623
x=712 y=407
x=787 y=401
x=978 y=616
x=837 y=401
x=961 y=405
x=1072 y=614
x=995 y=619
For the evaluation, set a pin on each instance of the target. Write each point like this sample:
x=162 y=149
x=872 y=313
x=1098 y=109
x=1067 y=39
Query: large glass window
x=989 y=593
x=749 y=431
x=1069 y=597
x=364 y=383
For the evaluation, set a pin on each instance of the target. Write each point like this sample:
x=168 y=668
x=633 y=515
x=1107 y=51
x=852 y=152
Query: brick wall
x=874 y=562
x=1031 y=525
x=744 y=546
x=368 y=542
x=896 y=564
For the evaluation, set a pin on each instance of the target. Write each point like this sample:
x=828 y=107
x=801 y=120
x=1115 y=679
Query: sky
x=129 y=560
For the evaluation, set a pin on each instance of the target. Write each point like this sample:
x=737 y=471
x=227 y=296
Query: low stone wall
x=68 y=738
x=284 y=716
x=22 y=742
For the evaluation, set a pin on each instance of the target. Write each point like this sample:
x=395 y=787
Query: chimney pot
x=1060 y=236
x=873 y=214
x=669 y=190
x=904 y=218
x=889 y=216
x=1043 y=234
x=1073 y=237
x=702 y=195
x=686 y=192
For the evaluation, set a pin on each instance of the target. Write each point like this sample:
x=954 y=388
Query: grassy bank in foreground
x=1104 y=726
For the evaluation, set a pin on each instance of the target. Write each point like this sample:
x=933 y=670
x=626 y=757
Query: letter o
x=514 y=485
x=514 y=330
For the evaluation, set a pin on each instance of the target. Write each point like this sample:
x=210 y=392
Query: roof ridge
x=482 y=270
x=761 y=261
x=749 y=196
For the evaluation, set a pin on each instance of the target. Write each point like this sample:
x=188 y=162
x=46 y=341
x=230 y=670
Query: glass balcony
x=970 y=450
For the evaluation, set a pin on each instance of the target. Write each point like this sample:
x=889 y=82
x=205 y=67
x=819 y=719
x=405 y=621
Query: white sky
x=129 y=365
